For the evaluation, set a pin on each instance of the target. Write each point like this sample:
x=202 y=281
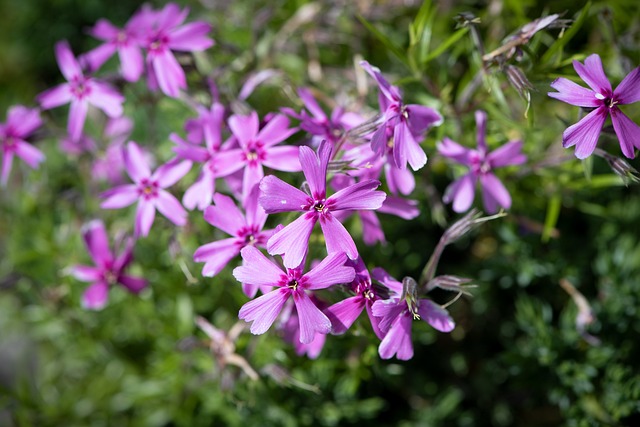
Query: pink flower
x=164 y=34
x=481 y=163
x=21 y=123
x=125 y=41
x=109 y=268
x=149 y=190
x=584 y=134
x=396 y=319
x=257 y=270
x=259 y=147
x=344 y=313
x=246 y=230
x=402 y=124
x=80 y=91
x=278 y=196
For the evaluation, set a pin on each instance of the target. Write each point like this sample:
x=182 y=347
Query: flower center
x=148 y=189
x=293 y=284
x=79 y=87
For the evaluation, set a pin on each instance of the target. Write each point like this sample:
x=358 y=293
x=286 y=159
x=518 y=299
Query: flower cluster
x=324 y=168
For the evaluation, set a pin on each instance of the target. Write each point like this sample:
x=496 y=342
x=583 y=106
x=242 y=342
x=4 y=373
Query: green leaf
x=446 y=44
x=553 y=213
x=385 y=41
x=557 y=46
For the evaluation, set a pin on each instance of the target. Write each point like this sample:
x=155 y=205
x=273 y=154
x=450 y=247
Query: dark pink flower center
x=158 y=43
x=80 y=87
x=148 y=189
x=250 y=235
x=479 y=164
x=9 y=144
x=254 y=153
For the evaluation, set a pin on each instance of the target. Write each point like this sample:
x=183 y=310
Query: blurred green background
x=515 y=357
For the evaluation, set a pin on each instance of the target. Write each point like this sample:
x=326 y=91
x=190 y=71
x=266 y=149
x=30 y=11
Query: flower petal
x=257 y=269
x=133 y=284
x=191 y=37
x=454 y=151
x=106 y=98
x=494 y=193
x=200 y=193
x=461 y=192
x=244 y=128
x=593 y=74
x=398 y=340
x=135 y=162
x=97 y=242
x=131 y=62
x=436 y=316
x=225 y=215
x=344 y=313
x=574 y=94
x=285 y=158
x=171 y=172
x=330 y=271
x=311 y=319
x=28 y=153
x=509 y=154
x=66 y=61
x=628 y=91
x=55 y=96
x=584 y=134
x=169 y=73
x=23 y=120
x=337 y=238
x=358 y=196
x=119 y=197
x=263 y=310
x=171 y=208
x=627 y=131
x=403 y=208
x=315 y=166
x=145 y=214
x=77 y=117
x=481 y=130
x=278 y=196
x=216 y=255
x=292 y=242
x=275 y=131
x=95 y=296
x=86 y=273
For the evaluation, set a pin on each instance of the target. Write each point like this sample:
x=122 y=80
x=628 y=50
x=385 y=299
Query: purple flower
x=481 y=163
x=258 y=147
x=149 y=190
x=108 y=270
x=125 y=41
x=165 y=33
x=317 y=123
x=401 y=125
x=584 y=134
x=245 y=229
x=80 y=91
x=21 y=123
x=344 y=313
x=290 y=327
x=262 y=311
x=396 y=317
x=278 y=196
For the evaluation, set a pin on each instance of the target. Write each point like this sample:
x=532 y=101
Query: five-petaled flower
x=258 y=270
x=397 y=315
x=21 y=123
x=80 y=91
x=149 y=190
x=108 y=270
x=278 y=196
x=604 y=102
x=481 y=163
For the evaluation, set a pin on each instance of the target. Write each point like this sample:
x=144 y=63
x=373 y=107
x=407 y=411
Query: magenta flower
x=481 y=163
x=80 y=91
x=258 y=147
x=584 y=134
x=125 y=41
x=245 y=229
x=314 y=120
x=165 y=33
x=290 y=327
x=396 y=319
x=262 y=311
x=344 y=313
x=278 y=196
x=149 y=190
x=109 y=268
x=401 y=124
x=21 y=123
